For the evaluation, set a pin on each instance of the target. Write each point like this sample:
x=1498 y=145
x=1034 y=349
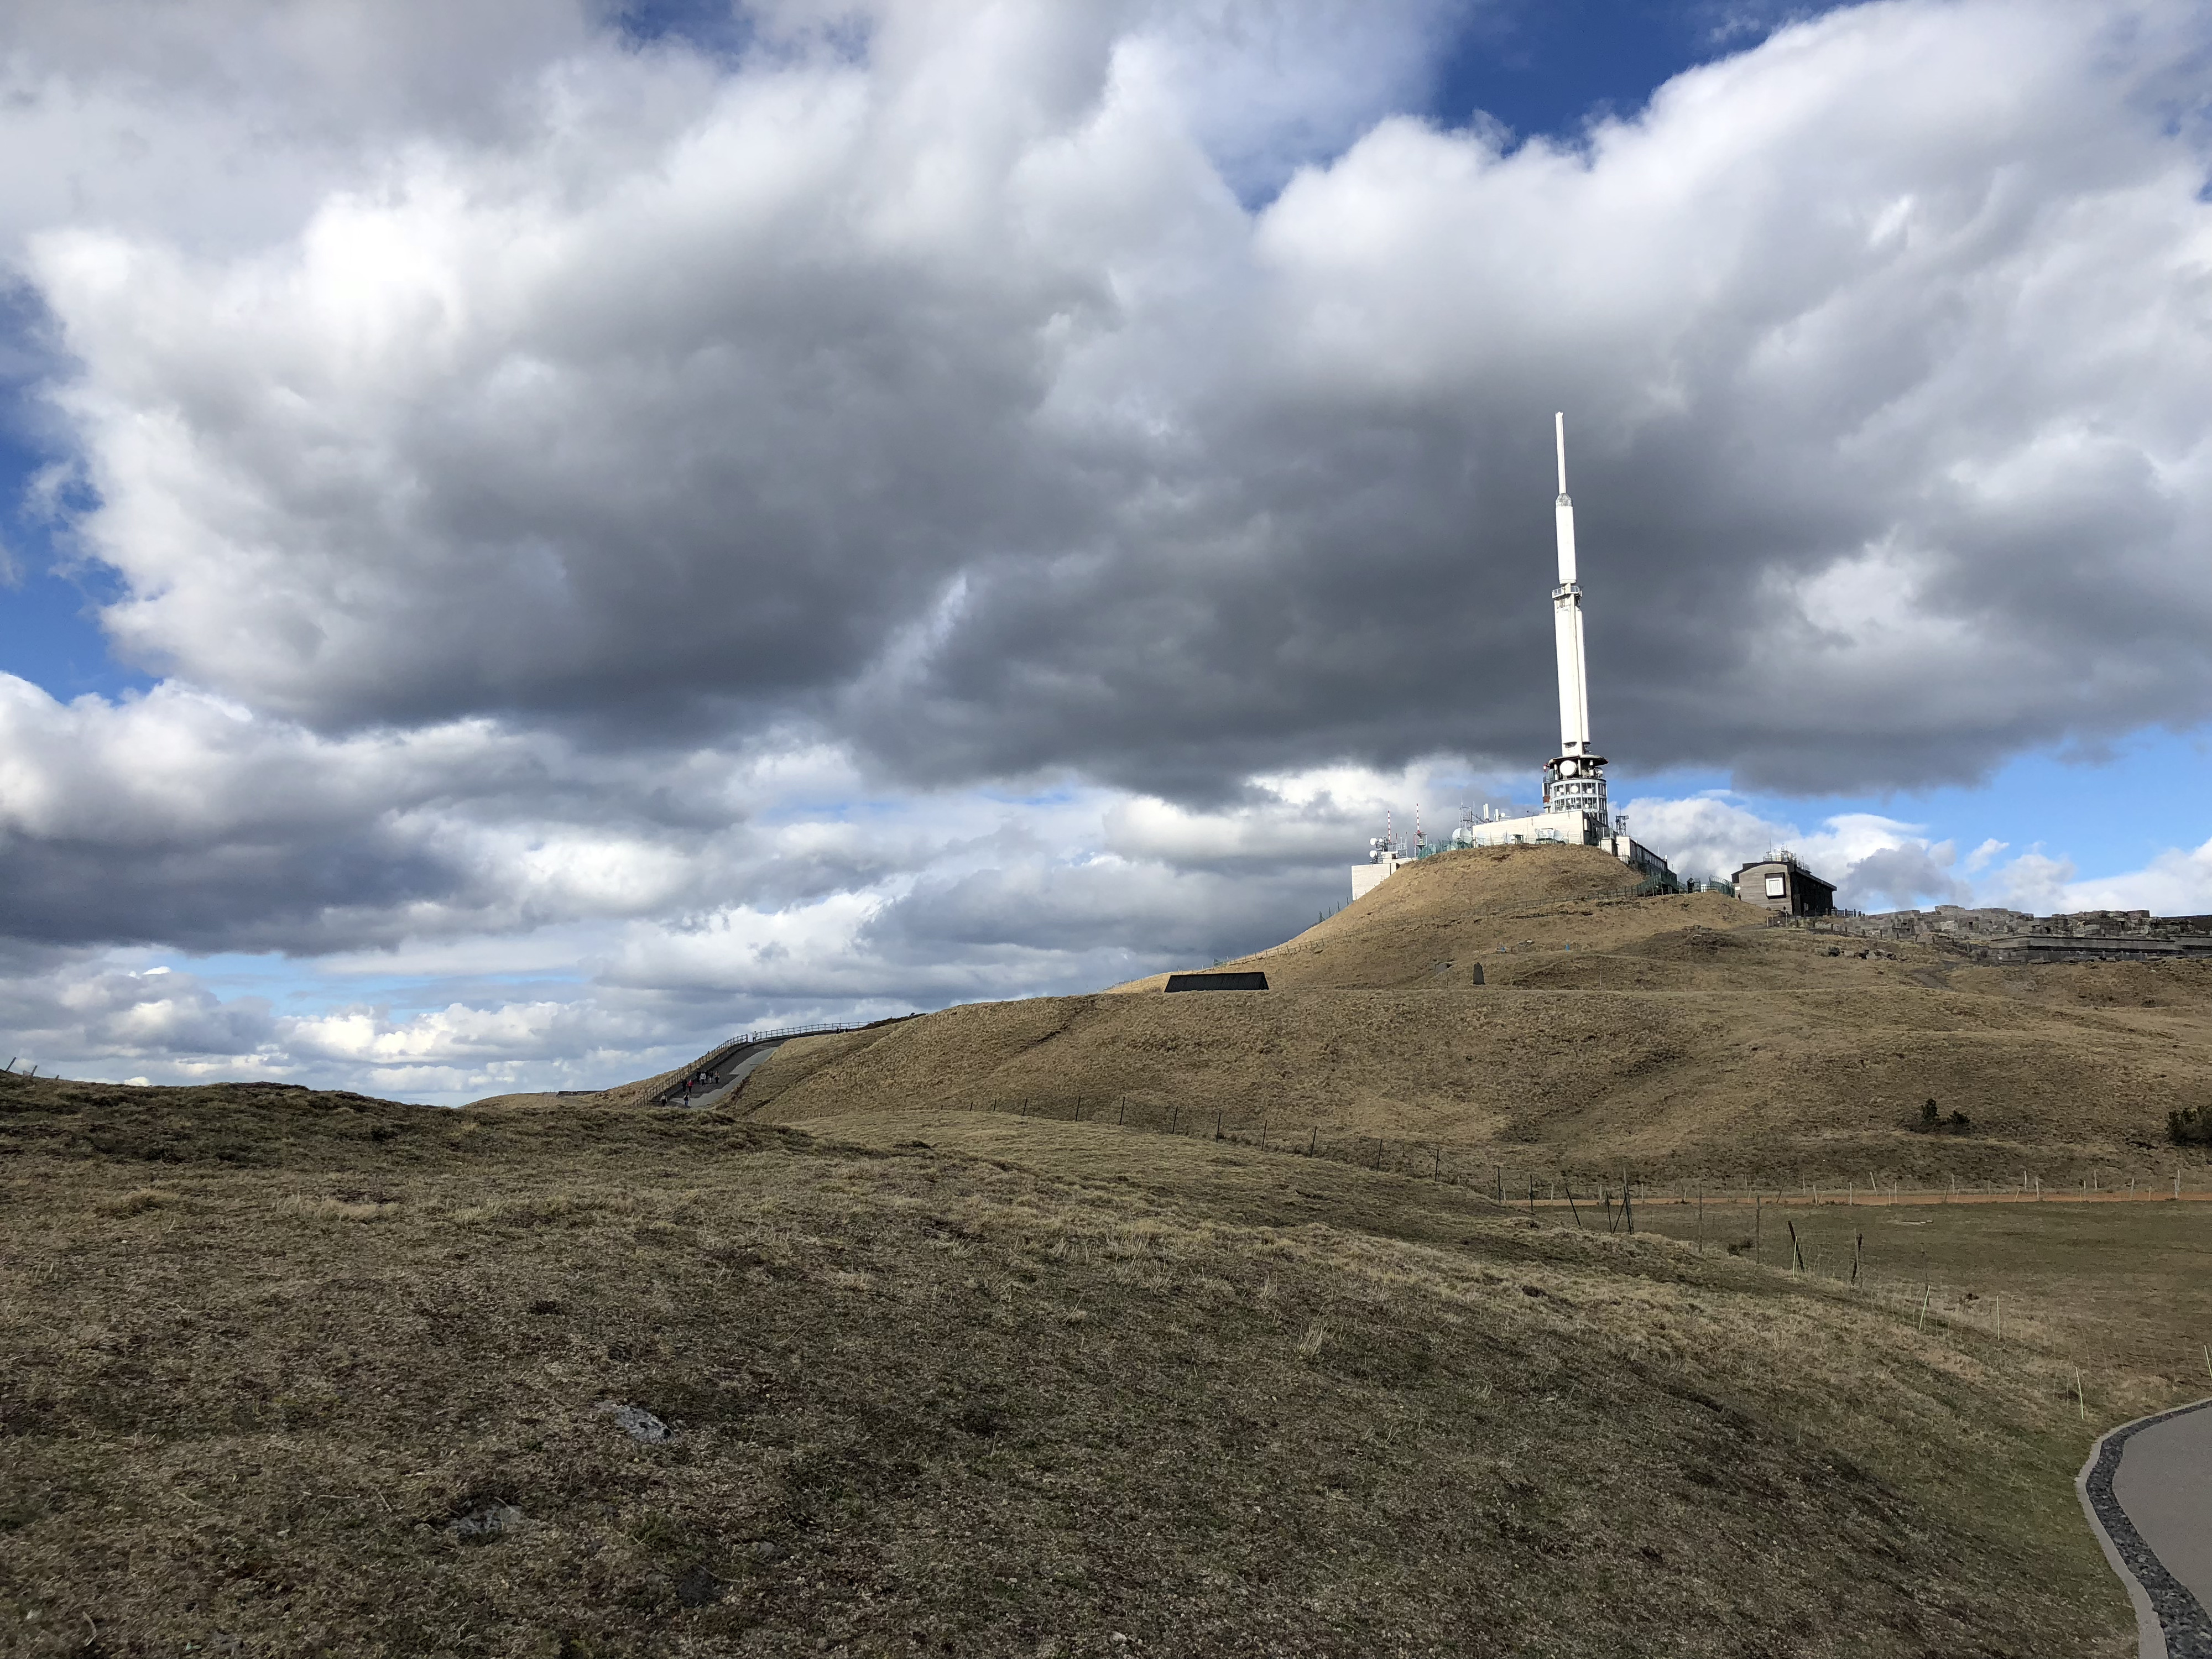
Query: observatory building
x=1574 y=812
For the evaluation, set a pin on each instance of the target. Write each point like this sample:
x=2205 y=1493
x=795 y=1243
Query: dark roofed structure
x=1235 y=980
x=1784 y=885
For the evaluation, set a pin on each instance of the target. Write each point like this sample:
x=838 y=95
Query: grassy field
x=288 y=1374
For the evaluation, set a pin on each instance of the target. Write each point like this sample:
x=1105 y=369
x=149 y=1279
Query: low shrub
x=1932 y=1120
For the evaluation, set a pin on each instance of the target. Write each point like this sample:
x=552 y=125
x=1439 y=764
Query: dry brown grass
x=138 y=1200
x=1431 y=921
x=340 y=1209
x=963 y=1384
x=1680 y=1034
x=2118 y=1289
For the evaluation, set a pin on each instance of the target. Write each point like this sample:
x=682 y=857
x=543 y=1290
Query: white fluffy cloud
x=937 y=501
x=1881 y=864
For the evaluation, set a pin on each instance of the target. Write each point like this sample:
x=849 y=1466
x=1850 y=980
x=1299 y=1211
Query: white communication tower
x=1574 y=780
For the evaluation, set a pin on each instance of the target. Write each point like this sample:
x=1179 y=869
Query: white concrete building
x=1574 y=812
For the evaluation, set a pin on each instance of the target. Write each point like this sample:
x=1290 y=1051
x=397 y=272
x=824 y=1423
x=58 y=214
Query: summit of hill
x=1685 y=1034
x=1433 y=921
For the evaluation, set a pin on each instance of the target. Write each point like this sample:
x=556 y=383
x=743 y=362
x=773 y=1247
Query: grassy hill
x=287 y=1373
x=1680 y=1034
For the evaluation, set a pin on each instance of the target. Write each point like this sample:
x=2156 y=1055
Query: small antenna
x=1559 y=431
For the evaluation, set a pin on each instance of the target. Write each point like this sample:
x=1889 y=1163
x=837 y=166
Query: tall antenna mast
x=1567 y=616
x=1575 y=782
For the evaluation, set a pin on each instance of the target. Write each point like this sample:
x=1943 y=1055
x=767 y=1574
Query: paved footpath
x=2147 y=1487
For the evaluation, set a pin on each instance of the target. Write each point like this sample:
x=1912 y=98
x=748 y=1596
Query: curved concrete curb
x=2169 y=1622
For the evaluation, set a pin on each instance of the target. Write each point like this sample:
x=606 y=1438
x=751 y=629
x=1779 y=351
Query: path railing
x=780 y=1033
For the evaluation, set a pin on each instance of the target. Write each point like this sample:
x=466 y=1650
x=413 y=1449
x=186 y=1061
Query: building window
x=1776 y=887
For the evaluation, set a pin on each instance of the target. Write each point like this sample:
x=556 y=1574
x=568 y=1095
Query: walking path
x=712 y=1080
x=2147 y=1489
x=736 y=1070
x=717 y=1075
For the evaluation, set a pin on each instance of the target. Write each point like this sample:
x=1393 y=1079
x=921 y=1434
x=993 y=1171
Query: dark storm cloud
x=301 y=894
x=1156 y=916
x=179 y=819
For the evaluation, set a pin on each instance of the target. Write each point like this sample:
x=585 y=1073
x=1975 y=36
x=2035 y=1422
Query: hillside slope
x=284 y=1373
x=1679 y=1033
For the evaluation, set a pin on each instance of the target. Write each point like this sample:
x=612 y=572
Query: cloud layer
x=949 y=399
x=926 y=500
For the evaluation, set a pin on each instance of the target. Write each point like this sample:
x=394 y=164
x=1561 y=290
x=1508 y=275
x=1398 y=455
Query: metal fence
x=777 y=1034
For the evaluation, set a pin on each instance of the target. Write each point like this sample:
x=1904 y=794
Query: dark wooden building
x=1780 y=883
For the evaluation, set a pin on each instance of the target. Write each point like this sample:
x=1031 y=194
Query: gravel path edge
x=2169 y=1622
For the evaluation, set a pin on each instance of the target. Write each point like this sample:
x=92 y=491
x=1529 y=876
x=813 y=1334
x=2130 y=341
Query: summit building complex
x=1574 y=812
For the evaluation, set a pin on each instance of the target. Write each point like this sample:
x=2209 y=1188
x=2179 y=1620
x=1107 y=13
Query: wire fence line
x=1571 y=1189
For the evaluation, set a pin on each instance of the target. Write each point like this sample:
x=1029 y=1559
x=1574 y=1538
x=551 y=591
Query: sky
x=537 y=536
